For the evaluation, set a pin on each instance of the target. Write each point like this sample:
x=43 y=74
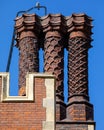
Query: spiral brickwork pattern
x=54 y=61
x=28 y=58
x=78 y=65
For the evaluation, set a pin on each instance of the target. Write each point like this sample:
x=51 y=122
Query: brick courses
x=28 y=59
x=24 y=115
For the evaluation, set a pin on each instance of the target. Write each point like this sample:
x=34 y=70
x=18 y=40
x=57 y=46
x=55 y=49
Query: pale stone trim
x=5 y=97
x=49 y=104
x=90 y=127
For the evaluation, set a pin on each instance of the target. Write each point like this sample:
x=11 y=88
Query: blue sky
x=93 y=8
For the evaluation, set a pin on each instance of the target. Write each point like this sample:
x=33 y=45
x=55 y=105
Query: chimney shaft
x=27 y=29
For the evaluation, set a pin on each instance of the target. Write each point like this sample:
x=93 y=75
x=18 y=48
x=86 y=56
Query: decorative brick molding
x=54 y=61
x=78 y=65
x=79 y=25
x=54 y=22
x=27 y=22
x=54 y=27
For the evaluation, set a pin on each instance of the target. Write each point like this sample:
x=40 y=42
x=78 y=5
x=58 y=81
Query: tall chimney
x=27 y=31
x=79 y=28
x=54 y=28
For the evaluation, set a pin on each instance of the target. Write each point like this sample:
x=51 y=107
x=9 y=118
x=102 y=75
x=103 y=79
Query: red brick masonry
x=24 y=115
x=53 y=33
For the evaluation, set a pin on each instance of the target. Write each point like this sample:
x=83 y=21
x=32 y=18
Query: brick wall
x=24 y=115
x=80 y=111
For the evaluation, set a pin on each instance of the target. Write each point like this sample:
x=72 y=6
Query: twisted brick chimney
x=54 y=28
x=53 y=33
x=79 y=28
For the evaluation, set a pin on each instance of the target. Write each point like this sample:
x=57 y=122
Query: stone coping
x=5 y=97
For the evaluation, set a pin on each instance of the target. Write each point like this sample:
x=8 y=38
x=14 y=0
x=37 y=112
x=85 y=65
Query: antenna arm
x=38 y=7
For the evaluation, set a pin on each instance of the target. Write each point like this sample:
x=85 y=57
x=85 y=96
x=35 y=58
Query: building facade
x=40 y=104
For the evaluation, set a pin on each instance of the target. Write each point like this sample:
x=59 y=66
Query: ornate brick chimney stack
x=57 y=32
x=27 y=30
x=79 y=29
x=54 y=28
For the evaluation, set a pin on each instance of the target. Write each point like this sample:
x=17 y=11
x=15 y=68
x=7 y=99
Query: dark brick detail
x=28 y=58
x=54 y=61
x=78 y=65
x=89 y=112
x=60 y=111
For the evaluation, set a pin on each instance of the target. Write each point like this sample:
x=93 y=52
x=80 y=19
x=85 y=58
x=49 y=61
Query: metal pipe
x=10 y=52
